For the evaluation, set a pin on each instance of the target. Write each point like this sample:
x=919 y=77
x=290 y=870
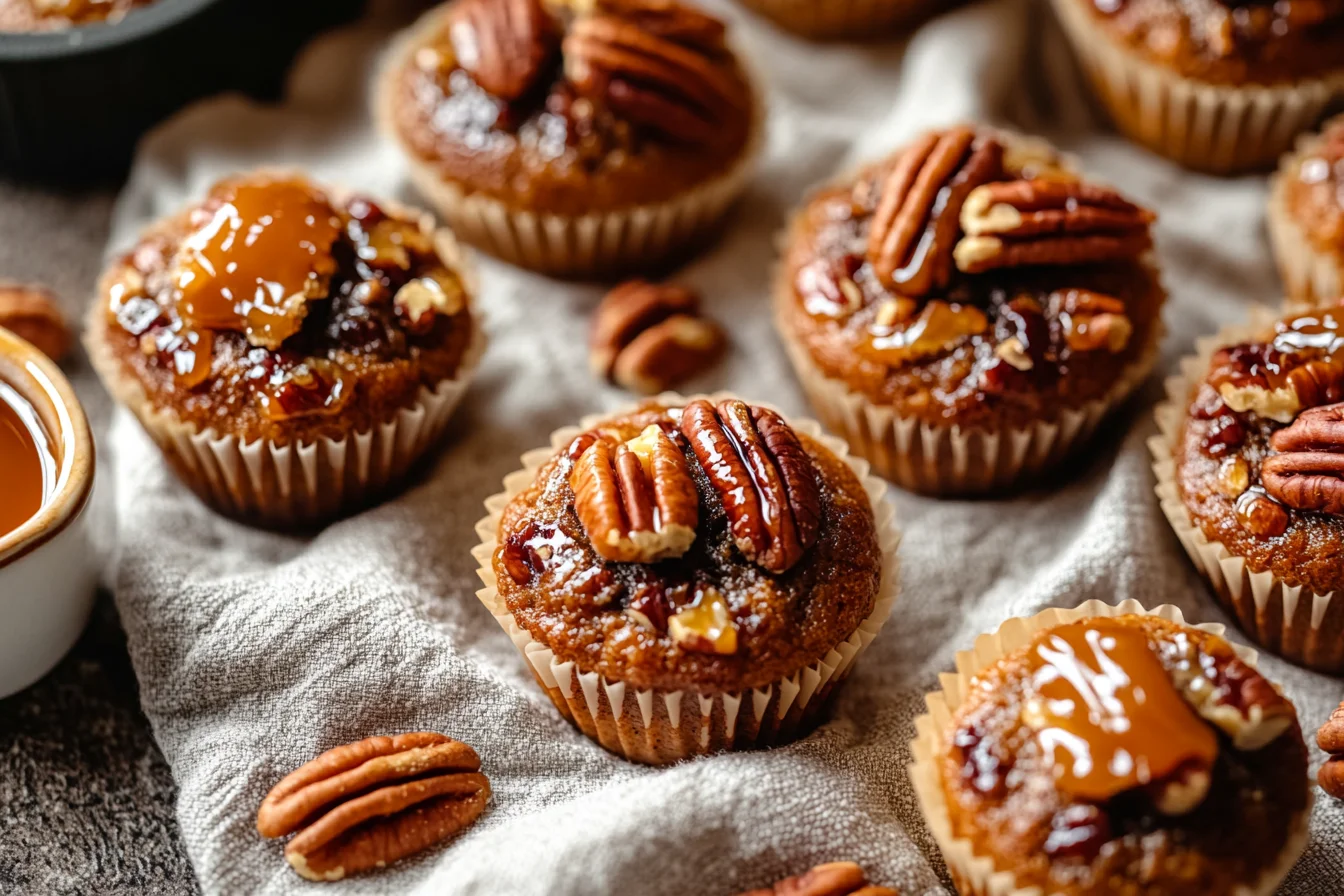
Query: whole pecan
x=505 y=45
x=832 y=879
x=915 y=228
x=636 y=499
x=1331 y=739
x=653 y=77
x=762 y=474
x=1307 y=473
x=1260 y=378
x=1049 y=222
x=366 y=804
x=31 y=313
x=647 y=337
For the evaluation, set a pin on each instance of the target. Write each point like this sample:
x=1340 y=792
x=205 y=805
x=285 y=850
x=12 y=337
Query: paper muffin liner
x=1210 y=127
x=297 y=485
x=1289 y=620
x=977 y=875
x=658 y=726
x=1311 y=278
x=832 y=19
x=597 y=244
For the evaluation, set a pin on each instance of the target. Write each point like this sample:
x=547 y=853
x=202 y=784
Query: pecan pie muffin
x=292 y=349
x=1306 y=218
x=690 y=576
x=966 y=311
x=1250 y=469
x=1219 y=85
x=836 y=19
x=574 y=137
x=1106 y=750
x=48 y=15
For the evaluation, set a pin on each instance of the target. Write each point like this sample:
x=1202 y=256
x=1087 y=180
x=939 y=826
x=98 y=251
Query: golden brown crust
x=1313 y=189
x=577 y=604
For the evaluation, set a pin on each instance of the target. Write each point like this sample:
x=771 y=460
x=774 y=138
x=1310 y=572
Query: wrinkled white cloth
x=256 y=651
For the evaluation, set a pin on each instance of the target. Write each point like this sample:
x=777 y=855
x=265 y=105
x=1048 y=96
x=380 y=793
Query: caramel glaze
x=575 y=602
x=27 y=465
x=1005 y=793
x=1314 y=190
x=1219 y=454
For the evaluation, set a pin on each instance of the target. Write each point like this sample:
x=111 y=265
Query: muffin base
x=976 y=875
x=838 y=19
x=1310 y=278
x=1291 y=621
x=658 y=726
x=1208 y=127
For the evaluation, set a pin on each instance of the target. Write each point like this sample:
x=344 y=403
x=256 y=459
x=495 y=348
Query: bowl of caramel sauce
x=47 y=463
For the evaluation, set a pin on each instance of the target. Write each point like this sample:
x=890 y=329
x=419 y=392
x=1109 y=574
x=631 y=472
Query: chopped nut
x=1261 y=515
x=421 y=299
x=1014 y=353
x=706 y=626
x=1234 y=476
x=1279 y=404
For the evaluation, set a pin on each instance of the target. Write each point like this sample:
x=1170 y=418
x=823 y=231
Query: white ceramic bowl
x=47 y=570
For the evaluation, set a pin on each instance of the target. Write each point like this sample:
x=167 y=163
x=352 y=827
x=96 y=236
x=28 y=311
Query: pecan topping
x=1307 y=473
x=915 y=227
x=419 y=301
x=648 y=337
x=636 y=500
x=1276 y=385
x=762 y=474
x=1049 y=222
x=706 y=626
x=30 y=312
x=1093 y=321
x=366 y=804
x=1331 y=740
x=652 y=72
x=504 y=45
x=831 y=879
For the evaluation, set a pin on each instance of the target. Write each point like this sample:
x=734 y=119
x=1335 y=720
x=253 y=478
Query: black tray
x=74 y=102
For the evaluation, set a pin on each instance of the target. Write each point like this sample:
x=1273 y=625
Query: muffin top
x=1125 y=756
x=573 y=106
x=709 y=547
x=971 y=279
x=49 y=15
x=1312 y=181
x=1260 y=462
x=1231 y=42
x=275 y=309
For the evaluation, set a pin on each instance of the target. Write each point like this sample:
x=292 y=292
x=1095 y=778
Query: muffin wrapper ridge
x=1311 y=278
x=276 y=485
x=660 y=726
x=1289 y=620
x=975 y=875
x=591 y=245
x=1210 y=127
x=845 y=18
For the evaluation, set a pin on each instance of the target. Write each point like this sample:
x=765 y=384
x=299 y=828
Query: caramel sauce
x=939 y=326
x=27 y=465
x=1109 y=713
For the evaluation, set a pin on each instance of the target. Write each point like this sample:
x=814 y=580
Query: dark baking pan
x=74 y=102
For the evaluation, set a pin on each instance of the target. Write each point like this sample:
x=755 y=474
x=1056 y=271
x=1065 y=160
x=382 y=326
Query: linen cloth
x=256 y=651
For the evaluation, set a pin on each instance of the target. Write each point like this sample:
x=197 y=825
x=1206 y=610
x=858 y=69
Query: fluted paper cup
x=977 y=875
x=1289 y=620
x=834 y=19
x=658 y=726
x=1210 y=127
x=1311 y=278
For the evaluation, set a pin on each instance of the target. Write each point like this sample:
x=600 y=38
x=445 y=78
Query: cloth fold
x=255 y=651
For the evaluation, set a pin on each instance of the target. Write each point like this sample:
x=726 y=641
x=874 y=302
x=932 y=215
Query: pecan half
x=831 y=879
x=648 y=337
x=1331 y=736
x=1093 y=321
x=1308 y=471
x=655 y=82
x=763 y=475
x=636 y=499
x=31 y=313
x=673 y=20
x=505 y=45
x=366 y=804
x=915 y=228
x=1049 y=222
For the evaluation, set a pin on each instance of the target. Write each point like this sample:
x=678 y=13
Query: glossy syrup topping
x=27 y=466
x=1109 y=713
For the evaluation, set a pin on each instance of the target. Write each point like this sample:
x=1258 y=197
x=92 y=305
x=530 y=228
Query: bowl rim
x=24 y=46
x=74 y=482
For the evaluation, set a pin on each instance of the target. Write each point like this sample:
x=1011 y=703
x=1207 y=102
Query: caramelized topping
x=27 y=467
x=940 y=325
x=1109 y=712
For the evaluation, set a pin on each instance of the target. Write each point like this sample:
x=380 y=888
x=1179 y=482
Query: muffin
x=580 y=138
x=292 y=349
x=49 y=15
x=690 y=576
x=1250 y=471
x=1217 y=85
x=836 y=19
x=966 y=311
x=1306 y=218
x=1108 y=750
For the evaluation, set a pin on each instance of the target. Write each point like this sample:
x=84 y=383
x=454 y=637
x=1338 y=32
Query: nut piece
x=1049 y=222
x=636 y=500
x=30 y=312
x=1308 y=471
x=648 y=337
x=706 y=626
x=915 y=227
x=762 y=474
x=831 y=879
x=420 y=300
x=1237 y=699
x=1331 y=778
x=1331 y=736
x=1093 y=321
x=1182 y=792
x=366 y=804
x=503 y=44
